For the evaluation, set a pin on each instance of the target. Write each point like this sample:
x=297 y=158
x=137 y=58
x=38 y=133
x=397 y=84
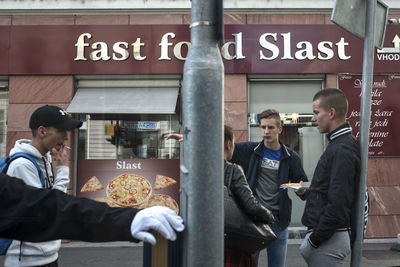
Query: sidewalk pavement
x=376 y=253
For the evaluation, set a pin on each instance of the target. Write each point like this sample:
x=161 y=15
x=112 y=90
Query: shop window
x=121 y=143
x=128 y=137
x=3 y=115
x=127 y=116
x=292 y=97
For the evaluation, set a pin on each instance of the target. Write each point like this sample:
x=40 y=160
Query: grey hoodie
x=34 y=254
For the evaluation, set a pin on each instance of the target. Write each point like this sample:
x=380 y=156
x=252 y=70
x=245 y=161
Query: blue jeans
x=277 y=250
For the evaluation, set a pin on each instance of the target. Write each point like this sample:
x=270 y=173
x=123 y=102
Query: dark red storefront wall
x=261 y=49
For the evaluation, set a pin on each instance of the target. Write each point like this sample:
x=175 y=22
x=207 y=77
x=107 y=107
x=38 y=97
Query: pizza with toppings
x=296 y=185
x=129 y=190
x=161 y=200
x=163 y=181
x=291 y=185
x=92 y=185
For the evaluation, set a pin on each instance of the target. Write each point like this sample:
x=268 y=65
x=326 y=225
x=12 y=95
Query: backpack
x=4 y=164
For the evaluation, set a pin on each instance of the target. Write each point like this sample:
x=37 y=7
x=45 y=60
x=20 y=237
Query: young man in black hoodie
x=330 y=197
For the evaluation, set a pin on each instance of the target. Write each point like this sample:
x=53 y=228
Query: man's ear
x=280 y=129
x=332 y=113
x=227 y=145
x=41 y=131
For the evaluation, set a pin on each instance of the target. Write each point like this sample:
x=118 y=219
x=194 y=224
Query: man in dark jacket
x=32 y=214
x=267 y=165
x=330 y=197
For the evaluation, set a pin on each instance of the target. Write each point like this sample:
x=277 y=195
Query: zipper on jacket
x=20 y=251
x=49 y=179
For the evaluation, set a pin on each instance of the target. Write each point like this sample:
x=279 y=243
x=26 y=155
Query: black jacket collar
x=341 y=130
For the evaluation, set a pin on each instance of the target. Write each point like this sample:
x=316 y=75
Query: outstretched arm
x=32 y=214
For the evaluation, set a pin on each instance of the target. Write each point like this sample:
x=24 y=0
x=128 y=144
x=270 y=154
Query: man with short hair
x=49 y=126
x=269 y=164
x=334 y=185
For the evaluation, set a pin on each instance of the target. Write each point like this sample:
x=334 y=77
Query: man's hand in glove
x=267 y=215
x=161 y=219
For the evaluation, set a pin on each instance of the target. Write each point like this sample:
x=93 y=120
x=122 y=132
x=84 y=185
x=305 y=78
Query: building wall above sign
x=98 y=5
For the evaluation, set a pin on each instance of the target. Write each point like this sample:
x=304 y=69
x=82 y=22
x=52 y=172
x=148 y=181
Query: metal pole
x=365 y=118
x=202 y=187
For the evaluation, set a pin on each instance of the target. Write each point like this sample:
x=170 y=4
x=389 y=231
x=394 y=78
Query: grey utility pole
x=365 y=118
x=202 y=187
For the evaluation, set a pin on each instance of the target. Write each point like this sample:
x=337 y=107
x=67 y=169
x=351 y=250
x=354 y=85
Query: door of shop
x=292 y=97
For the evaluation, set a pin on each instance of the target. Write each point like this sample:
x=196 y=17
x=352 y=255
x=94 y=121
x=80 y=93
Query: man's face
x=321 y=117
x=270 y=131
x=54 y=138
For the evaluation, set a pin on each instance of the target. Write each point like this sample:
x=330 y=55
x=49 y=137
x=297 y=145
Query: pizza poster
x=138 y=183
x=384 y=136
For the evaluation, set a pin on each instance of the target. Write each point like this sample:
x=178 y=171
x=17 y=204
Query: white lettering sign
x=304 y=51
x=123 y=165
x=120 y=50
x=232 y=50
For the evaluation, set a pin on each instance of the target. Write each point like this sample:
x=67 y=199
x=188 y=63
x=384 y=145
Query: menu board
x=384 y=136
x=138 y=183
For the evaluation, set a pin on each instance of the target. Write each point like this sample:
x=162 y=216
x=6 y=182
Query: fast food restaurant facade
x=122 y=75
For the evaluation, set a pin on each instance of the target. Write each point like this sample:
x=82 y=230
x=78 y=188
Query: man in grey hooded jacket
x=50 y=126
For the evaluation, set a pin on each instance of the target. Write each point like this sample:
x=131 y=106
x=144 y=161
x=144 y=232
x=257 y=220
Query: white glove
x=161 y=219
